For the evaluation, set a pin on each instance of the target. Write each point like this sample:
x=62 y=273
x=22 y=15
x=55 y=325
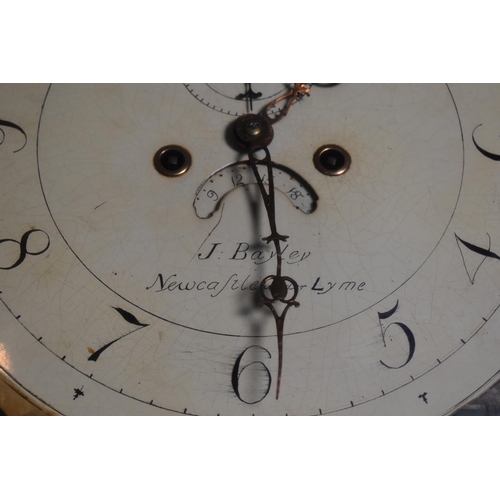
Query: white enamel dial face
x=124 y=291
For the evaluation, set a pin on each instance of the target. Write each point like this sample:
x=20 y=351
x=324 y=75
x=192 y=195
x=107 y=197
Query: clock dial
x=127 y=291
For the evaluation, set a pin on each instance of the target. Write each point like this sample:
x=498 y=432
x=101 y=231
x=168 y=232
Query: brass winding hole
x=172 y=160
x=332 y=159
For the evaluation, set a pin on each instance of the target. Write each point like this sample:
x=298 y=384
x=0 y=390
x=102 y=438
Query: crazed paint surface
x=117 y=298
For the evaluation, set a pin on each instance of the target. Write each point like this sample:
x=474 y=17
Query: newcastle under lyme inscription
x=235 y=283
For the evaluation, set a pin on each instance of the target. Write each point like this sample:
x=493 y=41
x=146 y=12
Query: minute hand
x=278 y=283
x=256 y=133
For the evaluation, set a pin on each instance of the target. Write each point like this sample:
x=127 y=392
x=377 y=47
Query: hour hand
x=275 y=236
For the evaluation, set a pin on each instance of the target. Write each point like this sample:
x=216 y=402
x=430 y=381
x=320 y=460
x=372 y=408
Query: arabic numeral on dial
x=5 y=123
x=406 y=330
x=294 y=193
x=237 y=180
x=23 y=247
x=129 y=318
x=471 y=268
x=248 y=386
x=484 y=152
x=212 y=195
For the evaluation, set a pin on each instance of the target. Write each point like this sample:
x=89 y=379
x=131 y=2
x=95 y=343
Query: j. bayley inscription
x=241 y=251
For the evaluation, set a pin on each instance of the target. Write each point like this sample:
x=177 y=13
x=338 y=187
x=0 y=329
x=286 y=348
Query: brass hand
x=298 y=90
x=255 y=132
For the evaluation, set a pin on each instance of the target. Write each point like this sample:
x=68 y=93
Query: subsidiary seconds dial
x=236 y=99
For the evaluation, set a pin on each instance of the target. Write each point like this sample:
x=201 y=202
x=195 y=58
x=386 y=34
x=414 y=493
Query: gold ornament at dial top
x=119 y=298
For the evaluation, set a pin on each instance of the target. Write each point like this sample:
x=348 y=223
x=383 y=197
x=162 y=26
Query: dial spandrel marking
x=423 y=396
x=78 y=393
